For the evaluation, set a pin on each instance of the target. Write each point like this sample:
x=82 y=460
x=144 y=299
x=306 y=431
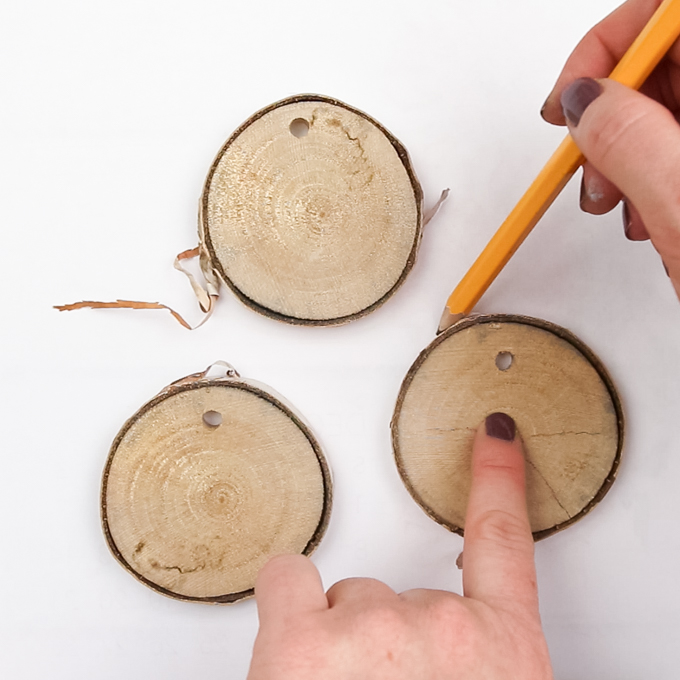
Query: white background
x=111 y=114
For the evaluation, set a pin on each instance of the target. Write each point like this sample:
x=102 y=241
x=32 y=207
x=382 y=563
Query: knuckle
x=452 y=617
x=380 y=621
x=355 y=586
x=300 y=646
x=456 y=632
x=616 y=130
x=503 y=529
x=606 y=134
x=499 y=466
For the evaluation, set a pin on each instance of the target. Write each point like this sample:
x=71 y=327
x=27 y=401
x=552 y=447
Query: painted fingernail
x=577 y=97
x=542 y=112
x=626 y=219
x=500 y=426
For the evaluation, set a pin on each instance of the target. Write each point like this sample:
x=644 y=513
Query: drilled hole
x=299 y=128
x=504 y=361
x=212 y=418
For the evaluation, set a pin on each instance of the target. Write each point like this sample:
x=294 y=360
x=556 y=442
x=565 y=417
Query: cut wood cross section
x=311 y=212
x=206 y=482
x=559 y=394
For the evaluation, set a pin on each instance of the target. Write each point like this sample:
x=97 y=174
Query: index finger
x=601 y=50
x=498 y=563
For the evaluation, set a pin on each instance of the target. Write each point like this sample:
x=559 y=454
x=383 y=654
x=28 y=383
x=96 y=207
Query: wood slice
x=559 y=394
x=311 y=212
x=206 y=482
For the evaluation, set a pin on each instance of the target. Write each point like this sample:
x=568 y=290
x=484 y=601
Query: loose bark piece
x=559 y=394
x=431 y=213
x=123 y=304
x=311 y=212
x=206 y=297
x=206 y=482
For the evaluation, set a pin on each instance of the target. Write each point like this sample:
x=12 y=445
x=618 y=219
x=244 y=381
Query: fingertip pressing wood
x=311 y=213
x=557 y=391
x=206 y=482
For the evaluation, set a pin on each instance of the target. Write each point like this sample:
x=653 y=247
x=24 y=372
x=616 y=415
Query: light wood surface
x=311 y=212
x=206 y=482
x=565 y=406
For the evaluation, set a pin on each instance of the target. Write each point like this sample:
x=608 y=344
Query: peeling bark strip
x=206 y=482
x=122 y=304
x=557 y=391
x=206 y=297
x=311 y=213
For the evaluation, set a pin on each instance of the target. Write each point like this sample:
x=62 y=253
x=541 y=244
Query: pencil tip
x=448 y=320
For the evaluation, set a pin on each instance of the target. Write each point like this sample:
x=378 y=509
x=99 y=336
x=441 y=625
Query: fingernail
x=582 y=196
x=626 y=220
x=545 y=104
x=577 y=97
x=668 y=274
x=500 y=426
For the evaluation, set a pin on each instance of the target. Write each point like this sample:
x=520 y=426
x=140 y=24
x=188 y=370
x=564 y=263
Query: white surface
x=111 y=116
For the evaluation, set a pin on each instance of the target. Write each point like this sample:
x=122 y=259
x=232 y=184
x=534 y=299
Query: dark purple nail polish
x=626 y=219
x=577 y=97
x=500 y=426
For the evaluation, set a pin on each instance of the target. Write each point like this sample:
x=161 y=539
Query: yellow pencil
x=637 y=63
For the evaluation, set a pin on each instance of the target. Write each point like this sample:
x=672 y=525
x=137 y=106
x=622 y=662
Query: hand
x=363 y=629
x=631 y=139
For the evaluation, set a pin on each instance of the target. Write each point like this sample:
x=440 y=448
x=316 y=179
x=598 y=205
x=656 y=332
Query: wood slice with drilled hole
x=559 y=394
x=311 y=213
x=206 y=482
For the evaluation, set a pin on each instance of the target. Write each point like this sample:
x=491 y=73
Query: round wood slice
x=311 y=212
x=206 y=482
x=559 y=394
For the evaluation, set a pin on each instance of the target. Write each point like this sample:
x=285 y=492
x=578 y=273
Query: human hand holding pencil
x=625 y=136
x=631 y=139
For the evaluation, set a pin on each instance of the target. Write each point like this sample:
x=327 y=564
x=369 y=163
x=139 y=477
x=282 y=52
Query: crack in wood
x=156 y=565
x=561 y=434
x=552 y=491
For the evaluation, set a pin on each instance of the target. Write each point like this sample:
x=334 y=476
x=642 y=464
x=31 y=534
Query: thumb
x=635 y=143
x=287 y=586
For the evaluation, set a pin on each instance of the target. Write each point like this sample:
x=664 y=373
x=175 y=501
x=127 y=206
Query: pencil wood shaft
x=524 y=216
